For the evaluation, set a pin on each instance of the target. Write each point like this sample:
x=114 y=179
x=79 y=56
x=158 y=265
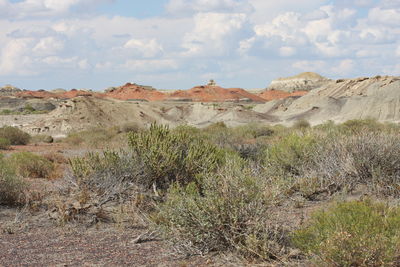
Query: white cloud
x=144 y=48
x=287 y=51
x=188 y=7
x=14 y=57
x=389 y=17
x=344 y=67
x=215 y=34
x=48 y=46
x=151 y=65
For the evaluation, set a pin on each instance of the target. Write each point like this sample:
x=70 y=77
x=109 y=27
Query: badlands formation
x=307 y=96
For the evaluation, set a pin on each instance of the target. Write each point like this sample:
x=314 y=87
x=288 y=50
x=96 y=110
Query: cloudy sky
x=176 y=44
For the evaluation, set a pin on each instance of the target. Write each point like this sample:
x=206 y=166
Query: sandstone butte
x=206 y=93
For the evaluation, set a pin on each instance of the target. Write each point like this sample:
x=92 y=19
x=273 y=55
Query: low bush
x=14 y=135
x=11 y=186
x=301 y=124
x=168 y=156
x=291 y=155
x=359 y=126
x=30 y=165
x=357 y=233
x=42 y=138
x=228 y=212
x=4 y=143
x=130 y=127
x=371 y=159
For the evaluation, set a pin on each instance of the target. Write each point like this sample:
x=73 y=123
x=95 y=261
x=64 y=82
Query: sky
x=177 y=44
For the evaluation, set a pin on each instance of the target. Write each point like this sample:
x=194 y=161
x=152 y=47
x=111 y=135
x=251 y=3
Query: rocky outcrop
x=305 y=81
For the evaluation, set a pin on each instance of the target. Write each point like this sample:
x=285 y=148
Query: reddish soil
x=134 y=91
x=214 y=94
x=277 y=94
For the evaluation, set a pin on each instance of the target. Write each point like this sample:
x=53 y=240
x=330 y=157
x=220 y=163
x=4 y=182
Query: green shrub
x=228 y=212
x=4 y=143
x=357 y=233
x=14 y=135
x=42 y=138
x=11 y=186
x=169 y=156
x=359 y=126
x=291 y=155
x=30 y=165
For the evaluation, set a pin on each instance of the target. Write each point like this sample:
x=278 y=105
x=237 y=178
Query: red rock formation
x=214 y=94
x=134 y=91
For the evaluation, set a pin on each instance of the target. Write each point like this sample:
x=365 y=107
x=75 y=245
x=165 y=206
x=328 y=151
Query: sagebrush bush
x=372 y=159
x=291 y=155
x=169 y=157
x=229 y=211
x=30 y=165
x=357 y=233
x=110 y=175
x=11 y=186
x=4 y=143
x=14 y=135
x=359 y=126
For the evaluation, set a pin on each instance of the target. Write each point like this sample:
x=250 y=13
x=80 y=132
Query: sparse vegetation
x=238 y=190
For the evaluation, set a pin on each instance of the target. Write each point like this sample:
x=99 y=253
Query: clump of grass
x=95 y=138
x=14 y=135
x=357 y=233
x=229 y=211
x=11 y=186
x=30 y=165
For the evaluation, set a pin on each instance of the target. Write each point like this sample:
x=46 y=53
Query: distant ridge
x=305 y=81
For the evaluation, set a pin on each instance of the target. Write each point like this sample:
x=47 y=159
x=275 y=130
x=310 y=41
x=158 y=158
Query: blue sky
x=177 y=44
